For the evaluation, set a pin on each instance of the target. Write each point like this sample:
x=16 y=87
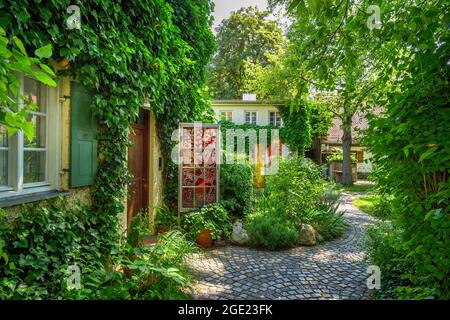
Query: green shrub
x=384 y=248
x=236 y=188
x=213 y=217
x=338 y=157
x=327 y=219
x=295 y=195
x=44 y=240
x=271 y=231
x=156 y=272
x=295 y=189
x=140 y=227
x=164 y=217
x=409 y=145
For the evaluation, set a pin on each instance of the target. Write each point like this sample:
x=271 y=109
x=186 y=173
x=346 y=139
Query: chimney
x=248 y=97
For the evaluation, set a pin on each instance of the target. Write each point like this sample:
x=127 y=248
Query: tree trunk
x=346 y=146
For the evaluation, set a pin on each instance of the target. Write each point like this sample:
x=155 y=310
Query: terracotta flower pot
x=205 y=239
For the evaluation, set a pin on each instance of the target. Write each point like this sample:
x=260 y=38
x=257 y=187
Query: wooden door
x=138 y=164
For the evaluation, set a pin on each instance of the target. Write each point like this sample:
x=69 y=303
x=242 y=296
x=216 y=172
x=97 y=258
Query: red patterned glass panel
x=198 y=166
x=210 y=157
x=188 y=177
x=198 y=138
x=210 y=177
x=199 y=178
x=210 y=138
x=199 y=197
x=187 y=139
x=198 y=153
x=188 y=198
x=210 y=195
x=187 y=157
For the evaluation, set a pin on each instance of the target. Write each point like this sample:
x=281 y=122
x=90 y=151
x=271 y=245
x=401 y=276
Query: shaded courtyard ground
x=333 y=270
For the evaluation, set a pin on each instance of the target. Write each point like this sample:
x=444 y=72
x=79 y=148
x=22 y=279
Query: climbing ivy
x=127 y=52
x=297 y=130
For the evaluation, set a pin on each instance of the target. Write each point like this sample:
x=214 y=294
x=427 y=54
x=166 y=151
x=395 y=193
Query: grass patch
x=367 y=203
x=355 y=187
x=374 y=204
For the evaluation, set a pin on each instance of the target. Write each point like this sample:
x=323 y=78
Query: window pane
x=3 y=167
x=32 y=90
x=271 y=118
x=188 y=197
x=254 y=117
x=39 y=123
x=34 y=166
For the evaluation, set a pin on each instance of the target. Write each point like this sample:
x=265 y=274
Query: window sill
x=22 y=198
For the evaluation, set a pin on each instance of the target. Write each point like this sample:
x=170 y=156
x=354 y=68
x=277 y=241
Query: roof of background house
x=248 y=102
x=359 y=124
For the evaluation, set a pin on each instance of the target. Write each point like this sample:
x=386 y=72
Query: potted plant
x=335 y=162
x=207 y=224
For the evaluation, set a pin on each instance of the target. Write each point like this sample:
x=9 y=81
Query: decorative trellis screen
x=198 y=165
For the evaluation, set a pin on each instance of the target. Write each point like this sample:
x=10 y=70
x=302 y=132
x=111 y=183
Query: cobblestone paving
x=334 y=270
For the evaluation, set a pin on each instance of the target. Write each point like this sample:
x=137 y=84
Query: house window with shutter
x=30 y=165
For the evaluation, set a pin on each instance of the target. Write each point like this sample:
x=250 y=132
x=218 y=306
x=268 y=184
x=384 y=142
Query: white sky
x=223 y=8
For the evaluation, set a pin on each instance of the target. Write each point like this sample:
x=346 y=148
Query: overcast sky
x=223 y=8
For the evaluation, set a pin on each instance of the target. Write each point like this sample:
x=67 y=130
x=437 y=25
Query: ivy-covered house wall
x=125 y=53
x=62 y=168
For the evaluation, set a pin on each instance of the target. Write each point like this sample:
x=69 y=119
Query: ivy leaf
x=44 y=52
x=47 y=69
x=44 y=78
x=19 y=45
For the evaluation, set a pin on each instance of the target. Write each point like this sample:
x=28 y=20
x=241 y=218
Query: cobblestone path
x=334 y=270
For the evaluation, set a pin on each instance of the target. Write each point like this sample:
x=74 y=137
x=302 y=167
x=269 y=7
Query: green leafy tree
x=410 y=141
x=325 y=55
x=247 y=37
x=400 y=64
x=14 y=59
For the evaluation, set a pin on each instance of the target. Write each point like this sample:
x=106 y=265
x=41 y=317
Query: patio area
x=334 y=270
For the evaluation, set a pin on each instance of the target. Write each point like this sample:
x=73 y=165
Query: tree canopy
x=247 y=37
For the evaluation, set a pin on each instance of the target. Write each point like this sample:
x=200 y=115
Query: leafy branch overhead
x=14 y=58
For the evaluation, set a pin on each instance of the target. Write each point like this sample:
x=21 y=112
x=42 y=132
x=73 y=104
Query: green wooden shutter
x=83 y=158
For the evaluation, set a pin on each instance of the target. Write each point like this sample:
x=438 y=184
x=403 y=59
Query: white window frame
x=245 y=117
x=16 y=185
x=226 y=116
x=275 y=119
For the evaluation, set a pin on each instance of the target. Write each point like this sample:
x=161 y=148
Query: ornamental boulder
x=308 y=235
x=239 y=235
